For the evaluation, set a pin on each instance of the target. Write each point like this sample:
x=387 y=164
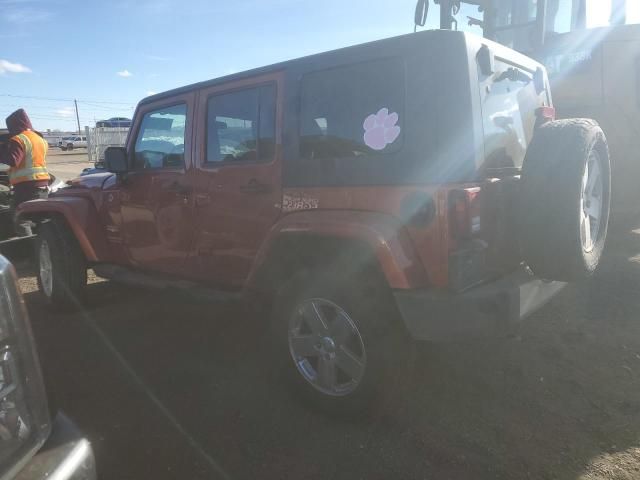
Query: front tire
x=339 y=342
x=62 y=269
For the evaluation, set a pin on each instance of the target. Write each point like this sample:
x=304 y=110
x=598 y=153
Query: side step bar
x=134 y=278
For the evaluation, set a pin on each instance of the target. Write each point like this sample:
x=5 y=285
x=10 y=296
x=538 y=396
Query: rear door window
x=353 y=111
x=241 y=126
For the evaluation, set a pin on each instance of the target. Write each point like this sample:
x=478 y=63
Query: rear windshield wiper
x=513 y=74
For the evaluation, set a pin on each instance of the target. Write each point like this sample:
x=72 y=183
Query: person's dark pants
x=23 y=192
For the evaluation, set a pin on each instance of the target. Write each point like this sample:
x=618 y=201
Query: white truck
x=69 y=143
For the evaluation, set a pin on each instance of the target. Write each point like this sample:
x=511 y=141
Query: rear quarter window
x=353 y=111
x=391 y=113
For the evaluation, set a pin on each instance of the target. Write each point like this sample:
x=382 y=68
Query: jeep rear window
x=353 y=111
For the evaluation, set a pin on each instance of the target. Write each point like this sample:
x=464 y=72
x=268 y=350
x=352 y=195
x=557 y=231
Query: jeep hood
x=95 y=181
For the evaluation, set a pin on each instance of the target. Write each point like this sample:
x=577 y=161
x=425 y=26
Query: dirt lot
x=67 y=165
x=168 y=387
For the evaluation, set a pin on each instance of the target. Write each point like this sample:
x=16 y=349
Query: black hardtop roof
x=327 y=58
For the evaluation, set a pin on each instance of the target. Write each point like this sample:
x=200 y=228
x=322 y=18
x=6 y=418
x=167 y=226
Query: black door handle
x=254 y=186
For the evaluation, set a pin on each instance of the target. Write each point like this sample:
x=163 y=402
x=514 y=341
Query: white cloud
x=150 y=92
x=124 y=73
x=8 y=67
x=65 y=112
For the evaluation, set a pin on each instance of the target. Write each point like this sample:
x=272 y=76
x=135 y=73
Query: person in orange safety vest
x=26 y=155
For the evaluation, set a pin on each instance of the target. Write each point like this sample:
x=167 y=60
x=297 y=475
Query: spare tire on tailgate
x=565 y=198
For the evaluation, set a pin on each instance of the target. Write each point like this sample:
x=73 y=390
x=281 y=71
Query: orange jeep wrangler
x=415 y=187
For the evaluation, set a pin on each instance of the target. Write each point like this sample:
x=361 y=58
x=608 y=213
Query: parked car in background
x=63 y=142
x=33 y=446
x=114 y=122
x=69 y=143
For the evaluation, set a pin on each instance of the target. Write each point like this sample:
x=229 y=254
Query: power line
x=49 y=113
x=50 y=117
x=53 y=117
x=55 y=113
x=66 y=120
x=36 y=111
x=126 y=104
x=51 y=99
x=36 y=98
x=102 y=107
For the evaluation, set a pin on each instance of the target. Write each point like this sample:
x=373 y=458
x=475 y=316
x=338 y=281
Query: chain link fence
x=100 y=138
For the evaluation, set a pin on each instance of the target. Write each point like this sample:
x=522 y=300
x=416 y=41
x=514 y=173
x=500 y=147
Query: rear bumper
x=490 y=310
x=66 y=455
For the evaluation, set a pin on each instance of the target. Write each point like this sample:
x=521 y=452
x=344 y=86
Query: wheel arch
x=352 y=239
x=79 y=215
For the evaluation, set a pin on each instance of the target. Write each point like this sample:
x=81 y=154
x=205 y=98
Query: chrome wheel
x=326 y=347
x=591 y=202
x=46 y=268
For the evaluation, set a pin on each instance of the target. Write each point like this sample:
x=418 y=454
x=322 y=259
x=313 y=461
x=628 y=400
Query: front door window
x=160 y=142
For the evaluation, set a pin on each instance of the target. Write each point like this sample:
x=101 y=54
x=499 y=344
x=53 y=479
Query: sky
x=123 y=50
x=108 y=55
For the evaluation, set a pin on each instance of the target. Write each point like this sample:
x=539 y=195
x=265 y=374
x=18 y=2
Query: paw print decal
x=380 y=129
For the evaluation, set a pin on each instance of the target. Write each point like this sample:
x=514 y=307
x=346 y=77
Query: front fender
x=81 y=216
x=383 y=233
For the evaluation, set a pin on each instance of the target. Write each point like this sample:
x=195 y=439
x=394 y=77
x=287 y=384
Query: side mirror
x=115 y=160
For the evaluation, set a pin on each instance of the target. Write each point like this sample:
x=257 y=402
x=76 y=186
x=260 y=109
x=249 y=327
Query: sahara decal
x=295 y=201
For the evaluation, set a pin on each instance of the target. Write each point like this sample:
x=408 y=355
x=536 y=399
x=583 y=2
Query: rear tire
x=339 y=342
x=62 y=268
x=566 y=196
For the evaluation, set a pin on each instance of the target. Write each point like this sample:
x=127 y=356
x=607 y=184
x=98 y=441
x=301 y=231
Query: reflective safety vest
x=34 y=165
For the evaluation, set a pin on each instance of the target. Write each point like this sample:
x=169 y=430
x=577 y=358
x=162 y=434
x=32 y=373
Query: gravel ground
x=67 y=165
x=167 y=387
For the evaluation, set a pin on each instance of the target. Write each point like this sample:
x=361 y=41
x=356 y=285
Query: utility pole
x=77 y=116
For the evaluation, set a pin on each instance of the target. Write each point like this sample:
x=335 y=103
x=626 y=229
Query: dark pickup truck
x=33 y=446
x=6 y=215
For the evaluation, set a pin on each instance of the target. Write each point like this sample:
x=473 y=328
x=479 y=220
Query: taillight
x=545 y=115
x=464 y=213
